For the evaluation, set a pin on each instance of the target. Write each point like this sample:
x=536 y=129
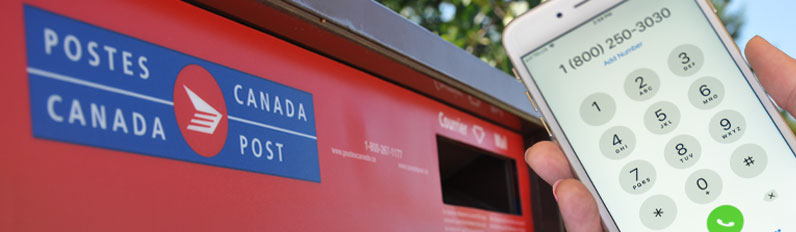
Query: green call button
x=725 y=218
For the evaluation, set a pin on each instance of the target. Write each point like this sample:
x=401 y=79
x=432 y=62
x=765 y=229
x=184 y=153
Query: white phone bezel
x=542 y=24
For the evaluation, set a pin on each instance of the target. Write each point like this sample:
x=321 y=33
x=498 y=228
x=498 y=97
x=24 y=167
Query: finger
x=578 y=208
x=548 y=161
x=775 y=70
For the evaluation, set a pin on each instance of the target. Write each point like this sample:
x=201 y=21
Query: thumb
x=775 y=70
x=578 y=208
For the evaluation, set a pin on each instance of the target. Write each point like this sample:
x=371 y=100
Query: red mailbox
x=247 y=115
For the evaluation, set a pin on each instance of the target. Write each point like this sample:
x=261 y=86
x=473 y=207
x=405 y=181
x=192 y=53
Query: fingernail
x=555 y=186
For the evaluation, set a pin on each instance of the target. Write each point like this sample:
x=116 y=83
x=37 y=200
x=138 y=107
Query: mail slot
x=474 y=178
x=256 y=115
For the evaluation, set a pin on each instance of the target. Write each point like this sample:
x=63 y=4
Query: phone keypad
x=637 y=177
x=748 y=160
x=703 y=186
x=597 y=109
x=685 y=60
x=682 y=151
x=706 y=93
x=642 y=84
x=662 y=117
x=617 y=142
x=658 y=212
x=727 y=126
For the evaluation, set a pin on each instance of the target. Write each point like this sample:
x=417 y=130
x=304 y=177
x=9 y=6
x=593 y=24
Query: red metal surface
x=54 y=186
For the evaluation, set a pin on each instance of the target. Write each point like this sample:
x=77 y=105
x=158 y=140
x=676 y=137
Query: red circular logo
x=200 y=110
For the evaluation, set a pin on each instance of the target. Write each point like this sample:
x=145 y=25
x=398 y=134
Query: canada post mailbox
x=256 y=116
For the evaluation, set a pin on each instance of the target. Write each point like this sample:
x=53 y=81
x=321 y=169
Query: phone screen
x=666 y=126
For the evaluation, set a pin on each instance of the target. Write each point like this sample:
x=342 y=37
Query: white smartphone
x=658 y=114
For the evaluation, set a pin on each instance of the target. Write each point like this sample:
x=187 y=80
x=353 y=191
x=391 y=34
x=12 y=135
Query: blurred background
x=476 y=25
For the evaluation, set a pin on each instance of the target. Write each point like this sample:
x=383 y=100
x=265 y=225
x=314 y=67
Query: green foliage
x=733 y=21
x=476 y=25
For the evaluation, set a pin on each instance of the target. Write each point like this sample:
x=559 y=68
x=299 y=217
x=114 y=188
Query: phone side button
x=532 y=102
x=517 y=75
x=545 y=126
x=514 y=70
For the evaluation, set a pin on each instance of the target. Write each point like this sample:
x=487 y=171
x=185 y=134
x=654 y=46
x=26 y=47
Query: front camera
x=559 y=15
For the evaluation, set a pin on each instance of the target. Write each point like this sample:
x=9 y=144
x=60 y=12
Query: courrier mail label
x=96 y=87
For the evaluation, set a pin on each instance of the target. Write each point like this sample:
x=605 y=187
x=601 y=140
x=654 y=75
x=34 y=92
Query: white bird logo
x=206 y=118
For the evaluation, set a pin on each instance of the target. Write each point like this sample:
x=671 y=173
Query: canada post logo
x=96 y=87
x=202 y=122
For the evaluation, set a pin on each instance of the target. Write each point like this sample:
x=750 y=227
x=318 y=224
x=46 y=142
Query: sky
x=774 y=20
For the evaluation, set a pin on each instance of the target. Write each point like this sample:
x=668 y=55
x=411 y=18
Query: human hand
x=776 y=72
